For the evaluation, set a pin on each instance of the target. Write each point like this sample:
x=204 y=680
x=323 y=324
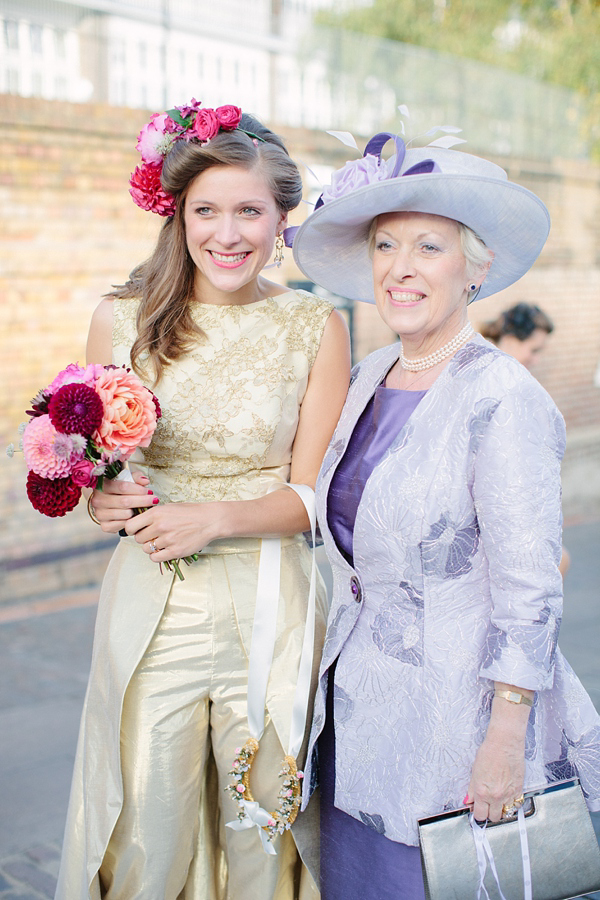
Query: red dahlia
x=76 y=409
x=52 y=497
x=147 y=190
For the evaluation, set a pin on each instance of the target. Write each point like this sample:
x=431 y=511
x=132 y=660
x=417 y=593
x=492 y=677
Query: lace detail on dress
x=230 y=406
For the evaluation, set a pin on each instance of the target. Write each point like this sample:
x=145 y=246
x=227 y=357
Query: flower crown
x=191 y=122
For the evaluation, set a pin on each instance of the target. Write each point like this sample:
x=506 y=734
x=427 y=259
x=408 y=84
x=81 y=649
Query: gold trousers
x=184 y=716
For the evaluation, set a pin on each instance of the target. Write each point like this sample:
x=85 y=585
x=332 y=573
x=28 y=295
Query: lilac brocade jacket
x=455 y=585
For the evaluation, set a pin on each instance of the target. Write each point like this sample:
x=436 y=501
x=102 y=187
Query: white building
x=156 y=53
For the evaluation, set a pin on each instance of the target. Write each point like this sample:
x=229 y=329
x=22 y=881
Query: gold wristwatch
x=514 y=697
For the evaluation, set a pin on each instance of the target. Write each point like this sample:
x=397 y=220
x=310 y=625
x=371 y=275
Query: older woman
x=439 y=502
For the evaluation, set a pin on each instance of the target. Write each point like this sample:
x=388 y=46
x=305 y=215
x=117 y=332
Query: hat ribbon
x=374 y=148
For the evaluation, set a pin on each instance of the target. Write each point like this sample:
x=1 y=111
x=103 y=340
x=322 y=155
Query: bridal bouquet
x=84 y=426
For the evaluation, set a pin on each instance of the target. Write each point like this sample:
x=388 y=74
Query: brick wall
x=70 y=230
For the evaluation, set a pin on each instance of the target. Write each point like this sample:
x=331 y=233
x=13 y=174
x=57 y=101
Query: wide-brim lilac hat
x=331 y=246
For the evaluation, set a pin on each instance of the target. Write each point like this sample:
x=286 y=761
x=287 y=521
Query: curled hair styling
x=520 y=320
x=164 y=283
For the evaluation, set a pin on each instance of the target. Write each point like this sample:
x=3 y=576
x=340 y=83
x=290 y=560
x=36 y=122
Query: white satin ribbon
x=484 y=853
x=262 y=648
x=256 y=817
x=527 y=880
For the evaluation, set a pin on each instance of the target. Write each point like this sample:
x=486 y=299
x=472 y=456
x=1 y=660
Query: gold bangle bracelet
x=90 y=510
x=514 y=697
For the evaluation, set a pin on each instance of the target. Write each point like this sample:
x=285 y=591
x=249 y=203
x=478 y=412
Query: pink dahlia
x=147 y=190
x=52 y=497
x=129 y=413
x=76 y=409
x=43 y=448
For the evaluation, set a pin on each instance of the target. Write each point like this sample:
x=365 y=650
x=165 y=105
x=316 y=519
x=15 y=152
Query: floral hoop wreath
x=191 y=122
x=290 y=793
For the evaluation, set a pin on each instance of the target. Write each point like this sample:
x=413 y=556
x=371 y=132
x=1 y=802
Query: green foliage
x=557 y=41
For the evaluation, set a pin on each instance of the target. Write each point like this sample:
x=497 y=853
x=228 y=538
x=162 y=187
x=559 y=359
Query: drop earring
x=279 y=245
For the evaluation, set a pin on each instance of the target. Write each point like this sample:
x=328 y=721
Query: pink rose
x=206 y=125
x=82 y=474
x=229 y=117
x=129 y=413
x=154 y=140
x=355 y=174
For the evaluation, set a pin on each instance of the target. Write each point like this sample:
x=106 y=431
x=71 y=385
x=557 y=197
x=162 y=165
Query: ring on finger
x=511 y=809
x=153 y=546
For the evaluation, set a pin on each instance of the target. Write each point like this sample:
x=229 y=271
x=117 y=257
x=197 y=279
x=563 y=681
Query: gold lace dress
x=230 y=412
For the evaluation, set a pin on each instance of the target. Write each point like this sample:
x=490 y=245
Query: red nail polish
x=466 y=800
x=150 y=492
x=156 y=500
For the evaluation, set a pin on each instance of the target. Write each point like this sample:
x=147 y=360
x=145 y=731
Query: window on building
x=118 y=52
x=36 y=84
x=35 y=38
x=60 y=44
x=143 y=54
x=61 y=88
x=200 y=65
x=218 y=68
x=11 y=34
x=12 y=81
x=236 y=72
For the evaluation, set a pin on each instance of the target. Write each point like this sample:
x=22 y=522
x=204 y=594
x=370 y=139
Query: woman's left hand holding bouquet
x=114 y=505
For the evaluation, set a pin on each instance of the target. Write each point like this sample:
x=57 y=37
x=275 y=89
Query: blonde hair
x=164 y=283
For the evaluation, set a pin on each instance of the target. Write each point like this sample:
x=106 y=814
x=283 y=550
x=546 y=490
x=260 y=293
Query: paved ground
x=44 y=660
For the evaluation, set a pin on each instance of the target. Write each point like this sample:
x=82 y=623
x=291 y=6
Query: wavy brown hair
x=164 y=283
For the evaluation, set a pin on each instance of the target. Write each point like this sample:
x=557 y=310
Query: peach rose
x=129 y=412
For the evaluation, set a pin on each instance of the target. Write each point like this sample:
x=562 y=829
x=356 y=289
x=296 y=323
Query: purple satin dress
x=357 y=862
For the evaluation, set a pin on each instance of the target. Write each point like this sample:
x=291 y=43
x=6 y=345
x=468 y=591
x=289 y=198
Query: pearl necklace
x=427 y=362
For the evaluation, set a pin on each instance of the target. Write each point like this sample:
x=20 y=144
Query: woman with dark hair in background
x=521 y=331
x=251 y=378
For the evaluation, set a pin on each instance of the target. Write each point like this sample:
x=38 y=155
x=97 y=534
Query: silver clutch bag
x=563 y=853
